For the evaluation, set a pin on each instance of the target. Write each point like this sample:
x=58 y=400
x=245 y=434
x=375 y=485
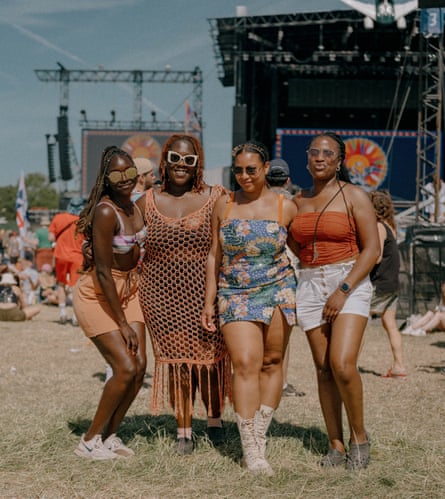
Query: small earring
x=337 y=169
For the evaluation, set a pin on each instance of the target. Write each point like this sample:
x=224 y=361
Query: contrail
x=46 y=43
x=74 y=57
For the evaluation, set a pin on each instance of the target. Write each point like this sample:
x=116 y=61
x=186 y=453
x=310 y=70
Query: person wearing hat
x=146 y=177
x=278 y=178
x=12 y=302
x=67 y=252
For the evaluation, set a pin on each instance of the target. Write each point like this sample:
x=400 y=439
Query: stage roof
x=332 y=43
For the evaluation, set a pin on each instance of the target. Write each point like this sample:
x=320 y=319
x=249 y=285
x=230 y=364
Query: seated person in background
x=12 y=304
x=48 y=285
x=29 y=279
x=432 y=320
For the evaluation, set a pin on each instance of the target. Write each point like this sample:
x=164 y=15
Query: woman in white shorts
x=336 y=234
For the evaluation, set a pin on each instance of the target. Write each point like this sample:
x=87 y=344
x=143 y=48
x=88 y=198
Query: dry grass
x=51 y=379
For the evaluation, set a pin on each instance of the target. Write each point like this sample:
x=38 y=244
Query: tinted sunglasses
x=129 y=174
x=174 y=158
x=250 y=170
x=326 y=153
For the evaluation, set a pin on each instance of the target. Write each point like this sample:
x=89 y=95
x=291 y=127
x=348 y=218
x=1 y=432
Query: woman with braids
x=249 y=272
x=385 y=280
x=106 y=302
x=172 y=286
x=338 y=245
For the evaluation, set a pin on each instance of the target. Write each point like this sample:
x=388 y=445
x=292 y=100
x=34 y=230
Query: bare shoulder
x=356 y=194
x=220 y=188
x=222 y=202
x=290 y=206
x=300 y=196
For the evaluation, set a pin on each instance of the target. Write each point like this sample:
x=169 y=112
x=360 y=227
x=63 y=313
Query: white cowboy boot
x=251 y=454
x=263 y=418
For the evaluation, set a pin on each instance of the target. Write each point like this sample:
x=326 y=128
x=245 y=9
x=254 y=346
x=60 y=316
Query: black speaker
x=431 y=4
x=64 y=150
x=239 y=128
x=51 y=170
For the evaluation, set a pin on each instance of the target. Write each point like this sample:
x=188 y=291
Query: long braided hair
x=100 y=189
x=198 y=179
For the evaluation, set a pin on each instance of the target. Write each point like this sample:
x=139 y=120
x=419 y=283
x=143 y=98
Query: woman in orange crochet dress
x=106 y=301
x=336 y=232
x=172 y=287
x=249 y=271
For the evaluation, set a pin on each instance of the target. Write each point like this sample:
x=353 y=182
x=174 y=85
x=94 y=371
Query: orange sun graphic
x=366 y=163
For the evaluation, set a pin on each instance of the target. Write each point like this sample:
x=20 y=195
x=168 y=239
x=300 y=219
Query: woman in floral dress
x=249 y=273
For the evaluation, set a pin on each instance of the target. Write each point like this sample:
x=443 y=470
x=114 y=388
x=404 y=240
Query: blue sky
x=114 y=34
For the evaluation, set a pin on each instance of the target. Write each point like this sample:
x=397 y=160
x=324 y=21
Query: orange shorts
x=68 y=272
x=93 y=310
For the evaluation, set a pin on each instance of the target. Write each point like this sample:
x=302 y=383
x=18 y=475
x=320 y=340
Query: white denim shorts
x=315 y=285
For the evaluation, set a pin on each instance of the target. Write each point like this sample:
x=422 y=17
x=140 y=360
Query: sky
x=119 y=35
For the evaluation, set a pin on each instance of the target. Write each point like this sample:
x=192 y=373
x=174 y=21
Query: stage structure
x=101 y=128
x=325 y=70
x=381 y=88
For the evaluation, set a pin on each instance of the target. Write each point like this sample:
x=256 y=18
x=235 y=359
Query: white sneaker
x=94 y=449
x=115 y=445
x=418 y=332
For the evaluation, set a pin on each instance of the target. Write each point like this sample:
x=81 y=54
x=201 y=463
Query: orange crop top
x=335 y=239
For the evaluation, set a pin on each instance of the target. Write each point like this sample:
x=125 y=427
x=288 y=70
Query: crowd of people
x=219 y=279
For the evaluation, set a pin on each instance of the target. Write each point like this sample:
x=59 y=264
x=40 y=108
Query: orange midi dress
x=171 y=293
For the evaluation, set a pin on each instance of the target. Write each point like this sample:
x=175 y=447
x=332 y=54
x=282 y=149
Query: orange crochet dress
x=171 y=292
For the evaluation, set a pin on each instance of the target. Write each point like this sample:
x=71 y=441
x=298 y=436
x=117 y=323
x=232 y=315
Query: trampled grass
x=51 y=378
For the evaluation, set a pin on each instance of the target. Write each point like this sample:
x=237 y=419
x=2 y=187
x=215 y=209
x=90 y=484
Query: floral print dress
x=255 y=275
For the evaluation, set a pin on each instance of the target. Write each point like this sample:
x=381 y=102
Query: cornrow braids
x=198 y=179
x=252 y=146
x=100 y=188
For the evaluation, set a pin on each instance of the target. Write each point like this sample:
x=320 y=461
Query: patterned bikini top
x=124 y=243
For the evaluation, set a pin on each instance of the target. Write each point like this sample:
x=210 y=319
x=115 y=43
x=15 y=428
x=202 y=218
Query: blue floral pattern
x=255 y=274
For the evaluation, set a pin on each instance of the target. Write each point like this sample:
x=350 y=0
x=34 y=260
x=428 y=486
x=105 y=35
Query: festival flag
x=191 y=120
x=21 y=206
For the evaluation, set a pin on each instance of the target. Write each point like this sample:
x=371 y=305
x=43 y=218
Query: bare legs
x=395 y=340
x=182 y=398
x=431 y=320
x=122 y=388
x=257 y=353
x=335 y=348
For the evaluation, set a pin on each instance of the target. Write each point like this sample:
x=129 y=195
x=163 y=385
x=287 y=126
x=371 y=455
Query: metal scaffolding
x=429 y=141
x=136 y=77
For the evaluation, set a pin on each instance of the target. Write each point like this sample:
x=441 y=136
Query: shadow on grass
x=152 y=428
x=362 y=370
x=437 y=368
x=438 y=344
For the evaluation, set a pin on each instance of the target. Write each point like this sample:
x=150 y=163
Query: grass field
x=51 y=379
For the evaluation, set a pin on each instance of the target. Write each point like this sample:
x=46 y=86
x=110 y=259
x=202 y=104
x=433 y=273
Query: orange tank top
x=334 y=240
